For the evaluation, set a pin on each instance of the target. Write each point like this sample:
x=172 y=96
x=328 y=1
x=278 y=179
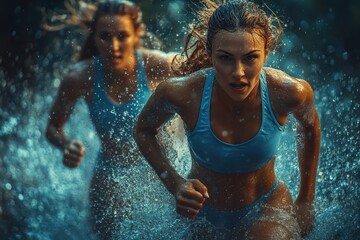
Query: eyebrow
x=223 y=51
x=111 y=32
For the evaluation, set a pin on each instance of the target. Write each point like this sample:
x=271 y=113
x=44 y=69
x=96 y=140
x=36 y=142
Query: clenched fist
x=73 y=154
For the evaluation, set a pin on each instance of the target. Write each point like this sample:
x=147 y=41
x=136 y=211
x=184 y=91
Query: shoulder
x=151 y=55
x=183 y=91
x=157 y=65
x=288 y=92
x=185 y=85
x=78 y=80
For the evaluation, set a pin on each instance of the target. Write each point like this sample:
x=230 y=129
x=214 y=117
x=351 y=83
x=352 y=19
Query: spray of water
x=42 y=199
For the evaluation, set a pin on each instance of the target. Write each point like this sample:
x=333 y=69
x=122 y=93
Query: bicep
x=305 y=111
x=158 y=110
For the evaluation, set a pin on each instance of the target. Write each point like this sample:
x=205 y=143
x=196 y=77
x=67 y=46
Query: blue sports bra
x=212 y=153
x=115 y=121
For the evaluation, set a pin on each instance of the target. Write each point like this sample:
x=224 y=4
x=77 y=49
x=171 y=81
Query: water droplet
x=21 y=197
x=8 y=186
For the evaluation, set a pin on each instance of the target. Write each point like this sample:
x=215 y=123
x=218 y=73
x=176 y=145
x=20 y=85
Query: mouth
x=116 y=59
x=239 y=87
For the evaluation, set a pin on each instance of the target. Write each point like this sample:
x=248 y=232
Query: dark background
x=324 y=36
x=330 y=27
x=321 y=45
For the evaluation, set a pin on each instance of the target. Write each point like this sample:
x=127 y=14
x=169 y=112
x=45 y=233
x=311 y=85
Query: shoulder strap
x=265 y=100
x=140 y=69
x=204 y=111
x=98 y=87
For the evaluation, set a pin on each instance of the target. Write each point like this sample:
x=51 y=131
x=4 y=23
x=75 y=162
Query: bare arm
x=308 y=144
x=60 y=112
x=155 y=113
x=158 y=66
x=189 y=194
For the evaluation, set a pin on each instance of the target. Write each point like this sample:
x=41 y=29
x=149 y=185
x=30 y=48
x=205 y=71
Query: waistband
x=229 y=219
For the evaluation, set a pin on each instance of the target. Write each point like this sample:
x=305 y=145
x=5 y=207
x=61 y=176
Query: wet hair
x=86 y=15
x=229 y=16
x=115 y=7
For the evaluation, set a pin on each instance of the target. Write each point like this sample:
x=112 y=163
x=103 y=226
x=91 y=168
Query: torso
x=114 y=121
x=113 y=107
x=82 y=81
x=234 y=191
x=229 y=190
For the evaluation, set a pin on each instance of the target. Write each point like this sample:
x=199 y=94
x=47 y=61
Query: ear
x=140 y=32
x=138 y=35
x=267 y=51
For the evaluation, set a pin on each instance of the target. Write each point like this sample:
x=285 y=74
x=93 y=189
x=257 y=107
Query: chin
x=119 y=66
x=238 y=97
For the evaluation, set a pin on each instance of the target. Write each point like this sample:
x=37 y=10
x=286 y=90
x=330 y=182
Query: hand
x=190 y=196
x=74 y=151
x=305 y=216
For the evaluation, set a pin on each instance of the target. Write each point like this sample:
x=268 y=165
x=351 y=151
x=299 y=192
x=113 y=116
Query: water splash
x=41 y=199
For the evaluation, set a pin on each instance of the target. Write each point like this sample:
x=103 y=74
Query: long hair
x=229 y=16
x=86 y=16
x=121 y=8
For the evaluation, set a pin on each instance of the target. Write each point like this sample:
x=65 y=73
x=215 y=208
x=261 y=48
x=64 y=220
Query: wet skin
x=236 y=98
x=238 y=58
x=115 y=39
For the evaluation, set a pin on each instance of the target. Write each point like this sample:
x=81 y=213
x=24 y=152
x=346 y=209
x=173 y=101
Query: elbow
x=141 y=133
x=52 y=133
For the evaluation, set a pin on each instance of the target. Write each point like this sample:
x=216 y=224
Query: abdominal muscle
x=231 y=191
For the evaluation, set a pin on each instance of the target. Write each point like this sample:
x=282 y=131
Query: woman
x=115 y=77
x=234 y=112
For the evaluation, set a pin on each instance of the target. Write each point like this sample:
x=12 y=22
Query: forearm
x=154 y=153
x=308 y=143
x=57 y=137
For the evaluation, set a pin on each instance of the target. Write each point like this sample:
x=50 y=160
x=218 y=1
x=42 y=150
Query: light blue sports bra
x=116 y=121
x=219 y=156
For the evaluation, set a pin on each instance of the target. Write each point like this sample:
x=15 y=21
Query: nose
x=115 y=44
x=239 y=70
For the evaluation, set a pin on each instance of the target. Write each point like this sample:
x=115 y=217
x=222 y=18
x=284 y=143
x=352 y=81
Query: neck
x=236 y=107
x=121 y=75
x=116 y=76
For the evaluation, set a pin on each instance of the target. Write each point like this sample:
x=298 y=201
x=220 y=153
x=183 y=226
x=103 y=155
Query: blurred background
x=40 y=199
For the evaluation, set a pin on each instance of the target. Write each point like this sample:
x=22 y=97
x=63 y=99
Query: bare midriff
x=231 y=191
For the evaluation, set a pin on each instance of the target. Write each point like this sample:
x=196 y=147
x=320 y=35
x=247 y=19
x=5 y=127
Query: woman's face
x=238 y=58
x=115 y=39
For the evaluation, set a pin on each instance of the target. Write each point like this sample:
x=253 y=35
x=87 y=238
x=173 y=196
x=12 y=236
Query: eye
x=251 y=58
x=225 y=58
x=105 y=36
x=122 y=36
